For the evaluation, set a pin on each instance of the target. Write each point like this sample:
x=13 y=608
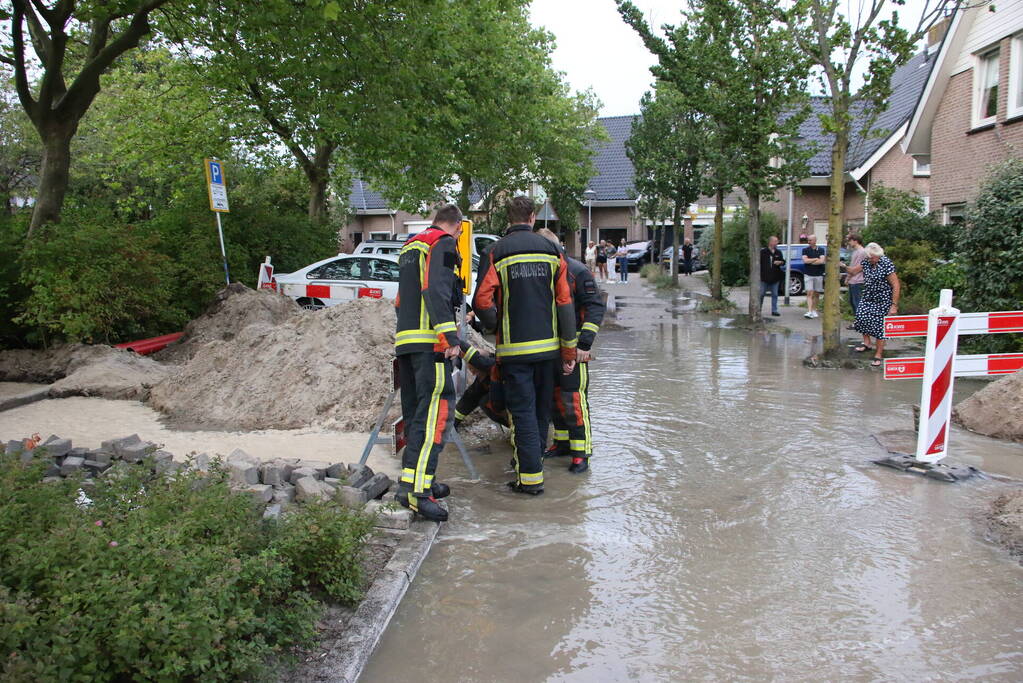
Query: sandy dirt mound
x=996 y=410
x=329 y=368
x=122 y=375
x=1005 y=522
x=234 y=308
x=30 y=365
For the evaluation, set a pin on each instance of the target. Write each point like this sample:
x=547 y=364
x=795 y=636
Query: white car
x=341 y=278
x=379 y=247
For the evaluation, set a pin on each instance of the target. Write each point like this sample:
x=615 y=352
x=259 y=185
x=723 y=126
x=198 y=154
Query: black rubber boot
x=556 y=450
x=440 y=490
x=427 y=508
x=579 y=465
x=529 y=489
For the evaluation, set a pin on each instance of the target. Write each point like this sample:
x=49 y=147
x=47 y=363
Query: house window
x=922 y=165
x=927 y=205
x=1016 y=77
x=380 y=235
x=955 y=214
x=985 y=91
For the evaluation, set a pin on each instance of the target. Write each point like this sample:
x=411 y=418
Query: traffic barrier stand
x=938 y=369
x=397 y=437
x=266 y=276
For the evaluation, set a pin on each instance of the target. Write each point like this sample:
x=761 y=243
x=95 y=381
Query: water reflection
x=731 y=528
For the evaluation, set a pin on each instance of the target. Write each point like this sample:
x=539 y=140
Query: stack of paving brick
x=273 y=485
x=112 y=456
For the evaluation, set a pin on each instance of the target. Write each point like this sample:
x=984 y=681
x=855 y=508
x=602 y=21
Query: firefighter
x=485 y=392
x=571 y=399
x=426 y=342
x=523 y=295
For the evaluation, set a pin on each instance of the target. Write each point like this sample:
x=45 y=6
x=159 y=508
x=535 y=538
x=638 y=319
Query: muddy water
x=731 y=529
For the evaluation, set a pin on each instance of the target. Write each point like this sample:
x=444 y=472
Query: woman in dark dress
x=881 y=290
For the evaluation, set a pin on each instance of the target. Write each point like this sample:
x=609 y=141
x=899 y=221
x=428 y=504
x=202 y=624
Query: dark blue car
x=794 y=254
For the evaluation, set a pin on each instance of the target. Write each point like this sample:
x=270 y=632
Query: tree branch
x=41 y=42
x=20 y=75
x=286 y=135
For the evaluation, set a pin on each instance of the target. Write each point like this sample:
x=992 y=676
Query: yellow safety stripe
x=530 y=479
x=577 y=444
x=569 y=343
x=590 y=327
x=415 y=337
x=459 y=416
x=470 y=353
x=431 y=428
x=527 y=258
x=584 y=404
x=421 y=246
x=561 y=435
x=441 y=328
x=522 y=348
x=408 y=475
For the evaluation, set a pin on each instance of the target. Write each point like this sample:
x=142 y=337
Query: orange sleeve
x=483 y=303
x=562 y=292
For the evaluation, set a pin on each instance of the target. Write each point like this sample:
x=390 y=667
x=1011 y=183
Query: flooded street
x=731 y=528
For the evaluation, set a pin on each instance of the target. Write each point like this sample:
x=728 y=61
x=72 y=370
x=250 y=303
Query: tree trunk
x=754 y=257
x=830 y=311
x=660 y=243
x=719 y=236
x=676 y=218
x=463 y=193
x=53 y=177
x=318 y=174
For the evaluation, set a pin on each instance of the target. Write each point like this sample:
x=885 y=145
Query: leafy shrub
x=92 y=278
x=990 y=250
x=650 y=271
x=12 y=293
x=735 y=245
x=896 y=215
x=167 y=578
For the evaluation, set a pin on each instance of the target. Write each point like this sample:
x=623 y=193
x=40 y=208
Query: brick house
x=970 y=115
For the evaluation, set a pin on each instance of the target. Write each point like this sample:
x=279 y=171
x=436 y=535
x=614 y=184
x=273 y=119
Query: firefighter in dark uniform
x=572 y=435
x=523 y=295
x=485 y=392
x=426 y=342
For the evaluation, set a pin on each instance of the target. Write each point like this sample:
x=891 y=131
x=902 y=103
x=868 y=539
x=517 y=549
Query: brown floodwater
x=731 y=528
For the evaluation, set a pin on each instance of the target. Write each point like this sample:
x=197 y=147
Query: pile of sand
x=996 y=410
x=82 y=370
x=329 y=368
x=234 y=308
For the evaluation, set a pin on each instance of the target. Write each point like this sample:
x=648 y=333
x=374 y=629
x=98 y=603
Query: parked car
x=480 y=242
x=794 y=253
x=353 y=275
x=379 y=247
x=639 y=254
x=698 y=262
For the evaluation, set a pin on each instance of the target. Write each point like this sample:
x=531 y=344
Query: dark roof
x=363 y=198
x=615 y=173
x=907 y=84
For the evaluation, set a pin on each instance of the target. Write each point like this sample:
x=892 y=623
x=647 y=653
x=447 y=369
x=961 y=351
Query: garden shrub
x=990 y=251
x=12 y=293
x=93 y=279
x=159 y=578
x=897 y=215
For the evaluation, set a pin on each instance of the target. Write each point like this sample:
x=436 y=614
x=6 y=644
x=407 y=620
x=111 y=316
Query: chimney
x=936 y=33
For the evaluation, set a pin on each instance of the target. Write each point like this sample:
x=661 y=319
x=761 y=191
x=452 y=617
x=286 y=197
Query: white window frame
x=947 y=210
x=927 y=204
x=1014 y=106
x=979 y=77
x=921 y=170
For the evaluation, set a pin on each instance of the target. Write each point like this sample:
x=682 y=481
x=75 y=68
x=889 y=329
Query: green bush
x=735 y=246
x=159 y=578
x=12 y=293
x=650 y=271
x=91 y=278
x=990 y=251
x=896 y=215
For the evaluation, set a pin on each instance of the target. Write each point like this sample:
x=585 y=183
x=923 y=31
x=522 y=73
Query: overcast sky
x=595 y=49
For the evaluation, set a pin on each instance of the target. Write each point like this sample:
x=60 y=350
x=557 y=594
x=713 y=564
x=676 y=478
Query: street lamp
x=589 y=195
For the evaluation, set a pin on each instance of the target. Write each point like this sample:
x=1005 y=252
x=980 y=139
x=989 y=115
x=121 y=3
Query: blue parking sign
x=216 y=173
x=217 y=186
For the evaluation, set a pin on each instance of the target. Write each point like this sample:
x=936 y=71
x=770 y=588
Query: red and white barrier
x=940 y=365
x=266 y=276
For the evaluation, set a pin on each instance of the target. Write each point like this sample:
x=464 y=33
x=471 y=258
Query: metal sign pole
x=223 y=252
x=788 y=256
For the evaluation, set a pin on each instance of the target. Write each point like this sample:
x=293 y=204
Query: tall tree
x=667 y=149
x=840 y=45
x=19 y=149
x=72 y=45
x=735 y=64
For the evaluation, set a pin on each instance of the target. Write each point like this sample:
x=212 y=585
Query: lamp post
x=589 y=196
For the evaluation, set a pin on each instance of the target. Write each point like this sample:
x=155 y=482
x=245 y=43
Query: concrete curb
x=24 y=399
x=374 y=613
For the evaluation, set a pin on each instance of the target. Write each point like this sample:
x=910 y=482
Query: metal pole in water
x=223 y=252
x=788 y=256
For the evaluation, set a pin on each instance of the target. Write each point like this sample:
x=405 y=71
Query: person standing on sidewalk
x=772 y=272
x=855 y=282
x=524 y=296
x=881 y=293
x=813 y=275
x=602 y=261
x=687 y=257
x=623 y=262
x=591 y=258
x=426 y=342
